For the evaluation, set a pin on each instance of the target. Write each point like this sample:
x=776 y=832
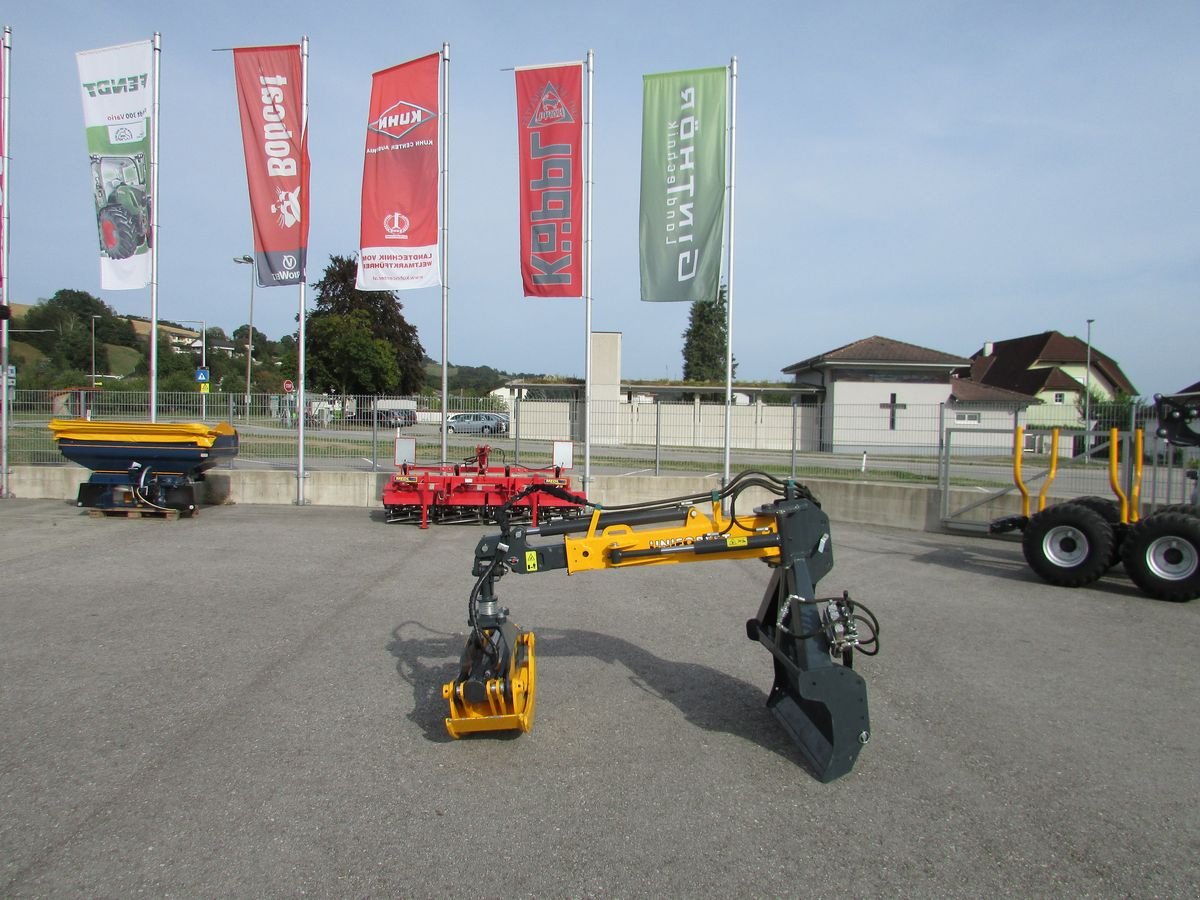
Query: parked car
x=388 y=418
x=477 y=423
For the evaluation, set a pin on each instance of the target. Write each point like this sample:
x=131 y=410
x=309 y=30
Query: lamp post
x=203 y=358
x=1087 y=396
x=249 y=261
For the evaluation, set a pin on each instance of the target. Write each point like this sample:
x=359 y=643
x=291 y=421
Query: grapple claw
x=496 y=687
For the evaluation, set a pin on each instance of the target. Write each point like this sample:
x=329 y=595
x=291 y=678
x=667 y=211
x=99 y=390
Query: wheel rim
x=1172 y=559
x=1065 y=546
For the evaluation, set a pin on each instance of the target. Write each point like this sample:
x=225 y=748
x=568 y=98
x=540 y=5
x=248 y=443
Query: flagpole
x=731 y=157
x=587 y=283
x=444 y=249
x=300 y=386
x=5 y=51
x=154 y=205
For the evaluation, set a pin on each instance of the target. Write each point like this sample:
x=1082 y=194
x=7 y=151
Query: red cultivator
x=469 y=491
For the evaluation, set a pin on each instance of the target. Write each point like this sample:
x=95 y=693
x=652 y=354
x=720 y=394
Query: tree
x=352 y=360
x=706 y=339
x=62 y=329
x=337 y=296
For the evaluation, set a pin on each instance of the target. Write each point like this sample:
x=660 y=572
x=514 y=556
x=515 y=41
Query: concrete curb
x=914 y=507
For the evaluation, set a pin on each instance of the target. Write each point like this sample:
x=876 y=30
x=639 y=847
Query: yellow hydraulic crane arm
x=817 y=696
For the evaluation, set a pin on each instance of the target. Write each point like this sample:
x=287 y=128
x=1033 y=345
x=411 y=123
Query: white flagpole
x=444 y=249
x=300 y=386
x=154 y=207
x=5 y=51
x=731 y=166
x=587 y=283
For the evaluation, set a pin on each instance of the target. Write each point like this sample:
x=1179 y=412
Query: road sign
x=288 y=387
x=204 y=387
x=202 y=375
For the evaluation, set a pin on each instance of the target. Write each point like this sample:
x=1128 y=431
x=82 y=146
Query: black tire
x=1068 y=545
x=486 y=430
x=1162 y=556
x=449 y=429
x=118 y=231
x=1110 y=511
x=1187 y=509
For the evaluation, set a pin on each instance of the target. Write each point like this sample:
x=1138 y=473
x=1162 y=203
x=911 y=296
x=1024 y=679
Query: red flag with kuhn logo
x=270 y=93
x=550 y=138
x=398 y=247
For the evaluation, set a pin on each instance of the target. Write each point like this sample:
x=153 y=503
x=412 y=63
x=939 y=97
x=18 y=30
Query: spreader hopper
x=148 y=466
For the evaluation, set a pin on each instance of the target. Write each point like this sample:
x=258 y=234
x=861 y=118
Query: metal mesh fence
x=969 y=446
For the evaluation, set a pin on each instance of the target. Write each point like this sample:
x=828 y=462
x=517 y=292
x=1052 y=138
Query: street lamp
x=94 y=318
x=1087 y=395
x=248 y=261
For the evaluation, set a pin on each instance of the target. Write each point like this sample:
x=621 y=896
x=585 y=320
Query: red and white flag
x=550 y=139
x=270 y=92
x=398 y=247
x=3 y=147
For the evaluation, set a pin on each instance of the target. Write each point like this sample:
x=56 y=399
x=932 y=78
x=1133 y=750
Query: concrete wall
x=617 y=424
x=896 y=505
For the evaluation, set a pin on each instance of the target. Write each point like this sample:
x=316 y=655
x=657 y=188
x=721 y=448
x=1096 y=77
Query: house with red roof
x=1057 y=369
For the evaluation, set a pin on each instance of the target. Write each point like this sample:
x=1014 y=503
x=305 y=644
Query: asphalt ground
x=247 y=704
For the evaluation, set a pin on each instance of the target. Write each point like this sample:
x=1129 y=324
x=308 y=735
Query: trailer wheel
x=1188 y=509
x=1068 y=545
x=1162 y=556
x=1110 y=512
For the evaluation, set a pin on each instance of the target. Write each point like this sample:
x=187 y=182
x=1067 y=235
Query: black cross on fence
x=891 y=406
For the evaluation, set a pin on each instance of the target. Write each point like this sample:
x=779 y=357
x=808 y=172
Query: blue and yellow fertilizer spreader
x=144 y=466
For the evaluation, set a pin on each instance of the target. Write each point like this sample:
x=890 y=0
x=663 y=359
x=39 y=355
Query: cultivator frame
x=472 y=490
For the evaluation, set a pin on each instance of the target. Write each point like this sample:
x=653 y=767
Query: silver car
x=476 y=423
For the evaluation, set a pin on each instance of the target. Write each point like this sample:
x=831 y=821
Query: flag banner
x=275 y=141
x=549 y=153
x=683 y=184
x=398 y=246
x=117 y=87
x=3 y=150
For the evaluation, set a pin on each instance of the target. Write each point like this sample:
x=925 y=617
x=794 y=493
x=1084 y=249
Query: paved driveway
x=248 y=704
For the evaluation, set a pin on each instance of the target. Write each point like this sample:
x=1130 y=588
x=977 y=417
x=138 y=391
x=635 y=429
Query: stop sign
x=288 y=387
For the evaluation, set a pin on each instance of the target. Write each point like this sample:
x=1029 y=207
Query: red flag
x=3 y=156
x=550 y=140
x=398 y=247
x=275 y=140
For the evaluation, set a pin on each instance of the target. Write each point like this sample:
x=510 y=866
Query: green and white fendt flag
x=117 y=88
x=683 y=184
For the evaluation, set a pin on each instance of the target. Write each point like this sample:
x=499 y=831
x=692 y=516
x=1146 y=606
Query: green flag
x=683 y=184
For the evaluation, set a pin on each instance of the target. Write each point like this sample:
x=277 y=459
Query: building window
x=967 y=418
x=1060 y=398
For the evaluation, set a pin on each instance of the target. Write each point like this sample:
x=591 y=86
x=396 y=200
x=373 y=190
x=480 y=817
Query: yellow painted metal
x=1018 y=449
x=1114 y=461
x=726 y=538
x=1052 y=471
x=1135 y=493
x=509 y=701
x=196 y=433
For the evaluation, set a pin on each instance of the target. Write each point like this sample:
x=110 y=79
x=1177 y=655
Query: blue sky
x=942 y=173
